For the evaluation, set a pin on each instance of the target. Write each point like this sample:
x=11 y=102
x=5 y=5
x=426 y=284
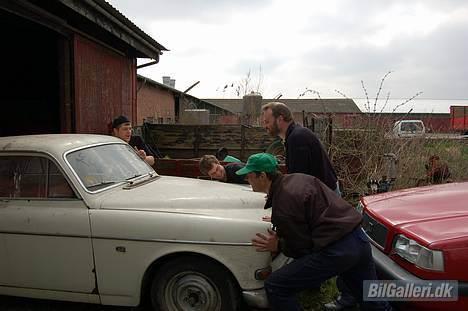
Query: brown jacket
x=307 y=215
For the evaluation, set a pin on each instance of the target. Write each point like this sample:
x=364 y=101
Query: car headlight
x=419 y=255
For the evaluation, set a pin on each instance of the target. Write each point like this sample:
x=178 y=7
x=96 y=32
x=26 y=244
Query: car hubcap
x=192 y=291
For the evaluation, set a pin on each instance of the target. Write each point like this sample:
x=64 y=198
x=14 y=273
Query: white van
x=409 y=128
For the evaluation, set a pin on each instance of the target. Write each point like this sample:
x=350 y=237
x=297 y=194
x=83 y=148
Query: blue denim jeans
x=349 y=258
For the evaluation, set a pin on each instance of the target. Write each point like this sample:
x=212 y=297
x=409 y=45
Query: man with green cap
x=317 y=228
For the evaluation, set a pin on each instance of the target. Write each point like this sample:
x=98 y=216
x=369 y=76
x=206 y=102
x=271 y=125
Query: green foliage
x=313 y=300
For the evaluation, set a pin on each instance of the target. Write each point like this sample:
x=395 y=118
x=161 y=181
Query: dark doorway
x=30 y=87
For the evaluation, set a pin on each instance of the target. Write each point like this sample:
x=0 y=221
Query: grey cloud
x=204 y=11
x=443 y=55
x=369 y=8
x=241 y=67
x=356 y=16
x=433 y=64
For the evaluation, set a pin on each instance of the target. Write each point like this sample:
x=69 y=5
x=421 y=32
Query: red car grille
x=375 y=230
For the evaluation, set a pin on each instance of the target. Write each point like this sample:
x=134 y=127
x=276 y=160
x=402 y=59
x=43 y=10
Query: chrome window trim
x=130 y=239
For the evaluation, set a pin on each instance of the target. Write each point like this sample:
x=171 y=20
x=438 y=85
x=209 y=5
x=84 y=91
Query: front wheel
x=193 y=283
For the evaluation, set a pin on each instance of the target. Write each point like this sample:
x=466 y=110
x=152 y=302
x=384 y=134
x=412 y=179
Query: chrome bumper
x=256 y=298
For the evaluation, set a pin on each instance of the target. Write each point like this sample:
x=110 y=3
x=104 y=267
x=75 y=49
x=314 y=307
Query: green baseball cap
x=259 y=162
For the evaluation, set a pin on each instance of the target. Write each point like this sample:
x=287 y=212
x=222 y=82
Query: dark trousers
x=350 y=258
x=346 y=297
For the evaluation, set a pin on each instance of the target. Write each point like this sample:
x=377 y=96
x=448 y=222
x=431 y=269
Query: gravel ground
x=25 y=304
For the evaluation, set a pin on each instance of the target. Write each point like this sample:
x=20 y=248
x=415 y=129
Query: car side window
x=58 y=186
x=32 y=177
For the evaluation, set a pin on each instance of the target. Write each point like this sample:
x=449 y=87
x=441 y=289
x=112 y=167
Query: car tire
x=194 y=283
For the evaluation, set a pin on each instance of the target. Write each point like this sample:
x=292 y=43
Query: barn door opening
x=33 y=77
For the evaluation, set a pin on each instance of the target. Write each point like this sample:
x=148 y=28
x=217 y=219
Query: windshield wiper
x=139 y=180
x=100 y=185
x=135 y=177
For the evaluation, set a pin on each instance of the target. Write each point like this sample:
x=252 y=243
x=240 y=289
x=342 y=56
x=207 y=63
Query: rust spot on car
x=7 y=146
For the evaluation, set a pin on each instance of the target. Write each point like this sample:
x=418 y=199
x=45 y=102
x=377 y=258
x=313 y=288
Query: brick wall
x=154 y=104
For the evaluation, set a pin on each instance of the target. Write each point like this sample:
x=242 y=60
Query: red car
x=421 y=234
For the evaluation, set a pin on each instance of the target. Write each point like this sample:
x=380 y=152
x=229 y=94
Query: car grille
x=375 y=230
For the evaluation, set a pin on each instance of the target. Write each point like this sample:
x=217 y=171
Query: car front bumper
x=256 y=298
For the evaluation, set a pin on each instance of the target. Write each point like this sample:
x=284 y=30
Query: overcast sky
x=299 y=47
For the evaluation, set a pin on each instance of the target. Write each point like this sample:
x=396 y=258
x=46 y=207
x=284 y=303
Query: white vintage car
x=83 y=218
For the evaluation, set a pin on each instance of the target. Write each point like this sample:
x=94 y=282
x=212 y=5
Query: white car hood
x=189 y=196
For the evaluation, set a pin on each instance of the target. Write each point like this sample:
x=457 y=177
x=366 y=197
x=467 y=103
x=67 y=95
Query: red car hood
x=433 y=213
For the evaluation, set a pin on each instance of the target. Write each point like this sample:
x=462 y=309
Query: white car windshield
x=102 y=166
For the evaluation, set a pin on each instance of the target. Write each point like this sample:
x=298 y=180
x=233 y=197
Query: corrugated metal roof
x=108 y=18
x=117 y=14
x=417 y=105
x=333 y=105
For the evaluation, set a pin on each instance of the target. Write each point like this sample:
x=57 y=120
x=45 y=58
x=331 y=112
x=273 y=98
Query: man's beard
x=274 y=130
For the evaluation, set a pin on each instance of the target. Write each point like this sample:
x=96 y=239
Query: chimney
x=166 y=80
x=252 y=104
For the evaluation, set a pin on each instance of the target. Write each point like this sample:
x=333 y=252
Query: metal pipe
x=147 y=64
x=191 y=87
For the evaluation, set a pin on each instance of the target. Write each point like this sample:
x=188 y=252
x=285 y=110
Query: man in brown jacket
x=321 y=231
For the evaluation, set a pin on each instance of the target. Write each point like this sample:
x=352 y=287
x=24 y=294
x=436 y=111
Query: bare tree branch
x=379 y=90
x=406 y=101
x=367 y=106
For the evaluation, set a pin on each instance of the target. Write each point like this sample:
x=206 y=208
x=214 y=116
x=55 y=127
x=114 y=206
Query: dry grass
x=358 y=155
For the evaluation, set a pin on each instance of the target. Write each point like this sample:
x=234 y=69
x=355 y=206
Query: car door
x=44 y=228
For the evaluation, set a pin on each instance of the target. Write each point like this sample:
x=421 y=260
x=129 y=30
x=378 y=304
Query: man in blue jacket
x=304 y=151
x=305 y=154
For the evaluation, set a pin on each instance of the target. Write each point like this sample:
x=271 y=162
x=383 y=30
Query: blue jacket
x=305 y=154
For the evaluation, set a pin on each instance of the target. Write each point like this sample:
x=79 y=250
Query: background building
x=162 y=103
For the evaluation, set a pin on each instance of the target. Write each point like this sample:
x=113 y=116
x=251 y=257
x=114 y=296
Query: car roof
x=53 y=143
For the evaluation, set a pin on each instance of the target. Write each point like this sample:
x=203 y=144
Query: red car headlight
x=417 y=254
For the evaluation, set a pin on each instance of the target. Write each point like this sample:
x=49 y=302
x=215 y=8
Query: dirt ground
x=25 y=304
